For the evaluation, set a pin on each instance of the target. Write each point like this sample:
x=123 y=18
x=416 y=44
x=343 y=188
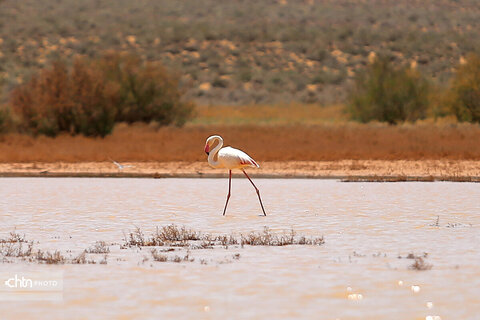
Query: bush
x=6 y=121
x=146 y=92
x=464 y=95
x=94 y=100
x=62 y=100
x=5 y=115
x=389 y=94
x=91 y=96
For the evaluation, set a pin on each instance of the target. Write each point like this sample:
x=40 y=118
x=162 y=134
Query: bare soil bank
x=349 y=170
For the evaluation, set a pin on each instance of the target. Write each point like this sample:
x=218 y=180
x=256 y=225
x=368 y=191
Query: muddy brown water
x=356 y=274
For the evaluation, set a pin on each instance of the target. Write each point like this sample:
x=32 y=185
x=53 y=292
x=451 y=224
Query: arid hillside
x=243 y=52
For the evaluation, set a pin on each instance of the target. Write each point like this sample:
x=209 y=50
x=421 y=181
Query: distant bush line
x=90 y=96
x=388 y=93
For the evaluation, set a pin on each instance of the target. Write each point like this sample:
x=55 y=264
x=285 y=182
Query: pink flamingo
x=230 y=158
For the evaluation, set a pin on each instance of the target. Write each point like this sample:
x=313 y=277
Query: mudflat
x=346 y=151
x=350 y=170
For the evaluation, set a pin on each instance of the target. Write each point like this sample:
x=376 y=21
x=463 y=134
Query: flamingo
x=230 y=158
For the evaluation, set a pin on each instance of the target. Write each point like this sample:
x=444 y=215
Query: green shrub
x=146 y=92
x=388 y=94
x=464 y=95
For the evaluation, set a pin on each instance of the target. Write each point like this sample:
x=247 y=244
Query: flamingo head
x=210 y=143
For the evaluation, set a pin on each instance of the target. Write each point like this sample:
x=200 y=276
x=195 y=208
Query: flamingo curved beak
x=207 y=149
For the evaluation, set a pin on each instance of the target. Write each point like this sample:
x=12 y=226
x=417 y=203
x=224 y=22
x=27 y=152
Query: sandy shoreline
x=349 y=170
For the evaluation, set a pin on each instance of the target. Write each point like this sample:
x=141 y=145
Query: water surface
x=356 y=274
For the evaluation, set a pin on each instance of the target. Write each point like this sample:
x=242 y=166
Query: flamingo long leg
x=229 y=188
x=256 y=189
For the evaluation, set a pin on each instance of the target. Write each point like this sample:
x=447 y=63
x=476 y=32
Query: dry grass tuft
x=82 y=259
x=98 y=247
x=164 y=258
x=158 y=257
x=172 y=233
x=15 y=246
x=14 y=237
x=420 y=265
x=267 y=238
x=50 y=258
x=16 y=249
x=419 y=261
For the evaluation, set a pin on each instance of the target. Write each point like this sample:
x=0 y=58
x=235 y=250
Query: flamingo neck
x=214 y=152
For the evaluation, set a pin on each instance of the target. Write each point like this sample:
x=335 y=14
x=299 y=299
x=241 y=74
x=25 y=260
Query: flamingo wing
x=234 y=158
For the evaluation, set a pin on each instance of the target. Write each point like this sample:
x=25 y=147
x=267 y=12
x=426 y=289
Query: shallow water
x=356 y=274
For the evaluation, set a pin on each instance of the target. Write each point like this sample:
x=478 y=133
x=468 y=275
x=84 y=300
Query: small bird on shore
x=121 y=166
x=229 y=158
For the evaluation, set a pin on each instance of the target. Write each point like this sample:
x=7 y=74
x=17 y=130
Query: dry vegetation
x=173 y=236
x=420 y=265
x=167 y=240
x=419 y=262
x=304 y=50
x=15 y=248
x=264 y=143
x=282 y=114
x=92 y=95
